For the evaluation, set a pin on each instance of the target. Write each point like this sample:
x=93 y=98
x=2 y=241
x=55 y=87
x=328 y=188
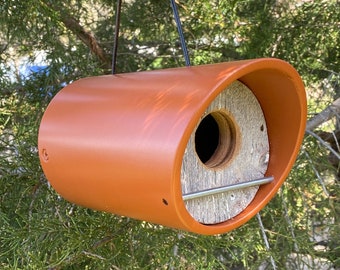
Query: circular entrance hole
x=216 y=139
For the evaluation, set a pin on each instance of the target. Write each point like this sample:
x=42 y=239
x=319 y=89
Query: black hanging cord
x=180 y=32
x=116 y=36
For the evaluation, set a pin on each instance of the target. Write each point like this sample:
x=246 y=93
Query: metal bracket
x=212 y=191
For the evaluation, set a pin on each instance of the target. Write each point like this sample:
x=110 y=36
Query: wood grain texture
x=247 y=161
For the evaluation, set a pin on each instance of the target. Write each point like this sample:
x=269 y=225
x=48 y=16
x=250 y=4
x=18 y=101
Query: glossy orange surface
x=115 y=143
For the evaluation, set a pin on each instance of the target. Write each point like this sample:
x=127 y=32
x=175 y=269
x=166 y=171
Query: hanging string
x=116 y=36
x=179 y=29
x=180 y=32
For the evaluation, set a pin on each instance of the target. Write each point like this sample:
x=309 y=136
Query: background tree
x=47 y=44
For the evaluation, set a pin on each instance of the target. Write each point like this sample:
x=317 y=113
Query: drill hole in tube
x=216 y=139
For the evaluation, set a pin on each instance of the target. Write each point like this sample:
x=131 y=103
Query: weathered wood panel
x=241 y=154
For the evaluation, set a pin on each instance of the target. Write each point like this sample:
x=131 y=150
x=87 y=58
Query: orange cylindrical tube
x=115 y=143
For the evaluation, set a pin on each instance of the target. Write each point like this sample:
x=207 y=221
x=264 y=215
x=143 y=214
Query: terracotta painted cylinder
x=115 y=143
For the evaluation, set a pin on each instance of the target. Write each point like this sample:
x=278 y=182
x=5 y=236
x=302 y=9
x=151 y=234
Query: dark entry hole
x=215 y=139
x=206 y=138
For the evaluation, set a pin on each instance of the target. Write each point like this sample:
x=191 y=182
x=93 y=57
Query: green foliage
x=40 y=230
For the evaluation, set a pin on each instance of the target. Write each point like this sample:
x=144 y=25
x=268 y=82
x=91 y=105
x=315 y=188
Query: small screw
x=165 y=201
x=44 y=155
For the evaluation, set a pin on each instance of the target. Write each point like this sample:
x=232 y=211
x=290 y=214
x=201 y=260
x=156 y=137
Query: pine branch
x=87 y=37
x=328 y=140
x=324 y=116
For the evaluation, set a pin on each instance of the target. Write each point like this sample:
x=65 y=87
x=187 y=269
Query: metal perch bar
x=212 y=191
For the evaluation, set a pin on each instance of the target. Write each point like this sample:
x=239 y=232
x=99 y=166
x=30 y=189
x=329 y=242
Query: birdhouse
x=199 y=148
